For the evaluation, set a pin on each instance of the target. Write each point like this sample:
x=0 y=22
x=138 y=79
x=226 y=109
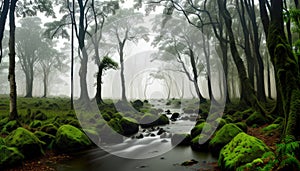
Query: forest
x=149 y=85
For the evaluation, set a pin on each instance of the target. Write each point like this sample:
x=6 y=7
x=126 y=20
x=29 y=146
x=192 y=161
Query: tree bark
x=247 y=93
x=13 y=113
x=121 y=45
x=99 y=86
x=3 y=17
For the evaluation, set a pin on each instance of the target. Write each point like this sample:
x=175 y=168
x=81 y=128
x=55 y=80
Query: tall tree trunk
x=122 y=72
x=13 y=113
x=3 y=17
x=247 y=92
x=286 y=69
x=72 y=55
x=269 y=79
x=195 y=76
x=99 y=86
x=29 y=83
x=260 y=65
x=45 y=80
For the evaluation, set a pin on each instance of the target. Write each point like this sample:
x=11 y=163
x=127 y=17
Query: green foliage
x=242 y=149
x=108 y=63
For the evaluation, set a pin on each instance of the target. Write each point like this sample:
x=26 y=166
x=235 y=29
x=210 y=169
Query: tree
x=28 y=53
x=286 y=65
x=105 y=64
x=50 y=60
x=181 y=44
x=121 y=28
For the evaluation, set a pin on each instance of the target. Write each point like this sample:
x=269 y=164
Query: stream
x=146 y=154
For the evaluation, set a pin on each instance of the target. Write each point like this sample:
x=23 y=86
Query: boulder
x=198 y=143
x=242 y=125
x=129 y=126
x=10 y=126
x=162 y=120
x=222 y=137
x=47 y=138
x=49 y=128
x=174 y=116
x=181 y=139
x=242 y=149
x=70 y=139
x=41 y=116
x=35 y=124
x=256 y=118
x=10 y=156
x=148 y=120
x=203 y=127
x=26 y=142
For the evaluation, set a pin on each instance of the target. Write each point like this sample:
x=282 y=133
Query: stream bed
x=152 y=153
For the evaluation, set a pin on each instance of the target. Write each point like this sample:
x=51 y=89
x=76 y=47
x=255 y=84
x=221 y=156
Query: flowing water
x=159 y=155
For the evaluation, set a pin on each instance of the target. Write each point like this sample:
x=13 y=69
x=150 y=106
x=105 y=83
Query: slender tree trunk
x=247 y=91
x=45 y=80
x=99 y=86
x=72 y=55
x=29 y=83
x=82 y=73
x=122 y=72
x=13 y=113
x=269 y=79
x=3 y=17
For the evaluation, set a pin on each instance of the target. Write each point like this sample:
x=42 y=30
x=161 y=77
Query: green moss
x=4 y=121
x=242 y=125
x=162 y=120
x=35 y=124
x=271 y=127
x=148 y=120
x=222 y=137
x=10 y=126
x=242 y=149
x=198 y=129
x=2 y=141
x=256 y=118
x=278 y=120
x=49 y=128
x=116 y=126
x=129 y=126
x=70 y=138
x=221 y=122
x=25 y=141
x=200 y=146
x=106 y=117
x=10 y=156
x=47 y=138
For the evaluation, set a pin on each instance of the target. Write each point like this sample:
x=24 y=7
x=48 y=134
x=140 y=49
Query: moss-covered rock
x=70 y=139
x=222 y=137
x=47 y=138
x=35 y=124
x=242 y=125
x=271 y=127
x=41 y=116
x=203 y=127
x=198 y=143
x=106 y=117
x=220 y=122
x=9 y=156
x=242 y=149
x=256 y=118
x=129 y=126
x=162 y=120
x=49 y=128
x=26 y=142
x=181 y=139
x=116 y=126
x=4 y=121
x=108 y=135
x=148 y=120
x=10 y=126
